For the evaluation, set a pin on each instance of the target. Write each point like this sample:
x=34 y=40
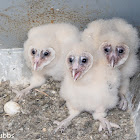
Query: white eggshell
x=11 y=108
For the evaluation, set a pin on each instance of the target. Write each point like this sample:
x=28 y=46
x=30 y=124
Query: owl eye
x=70 y=60
x=46 y=53
x=33 y=52
x=84 y=60
x=107 y=49
x=120 y=50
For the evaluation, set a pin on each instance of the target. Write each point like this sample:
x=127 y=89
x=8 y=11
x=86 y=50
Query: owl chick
x=45 y=50
x=89 y=85
x=119 y=41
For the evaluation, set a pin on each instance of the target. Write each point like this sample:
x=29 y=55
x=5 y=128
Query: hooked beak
x=76 y=74
x=76 y=71
x=112 y=61
x=36 y=63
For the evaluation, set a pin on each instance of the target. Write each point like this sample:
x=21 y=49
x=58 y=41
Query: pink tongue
x=77 y=75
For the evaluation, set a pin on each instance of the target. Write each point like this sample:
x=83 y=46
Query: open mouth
x=76 y=74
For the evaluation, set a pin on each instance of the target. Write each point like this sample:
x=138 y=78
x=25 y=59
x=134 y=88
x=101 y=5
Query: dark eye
x=84 y=60
x=120 y=50
x=33 y=52
x=70 y=60
x=106 y=49
x=46 y=53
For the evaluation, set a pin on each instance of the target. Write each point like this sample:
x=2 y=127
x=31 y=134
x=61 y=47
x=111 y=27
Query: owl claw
x=106 y=125
x=61 y=125
x=123 y=104
x=19 y=94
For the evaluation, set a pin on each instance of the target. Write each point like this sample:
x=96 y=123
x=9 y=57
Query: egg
x=11 y=108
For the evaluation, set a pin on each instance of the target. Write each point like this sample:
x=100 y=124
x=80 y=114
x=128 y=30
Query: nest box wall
x=18 y=16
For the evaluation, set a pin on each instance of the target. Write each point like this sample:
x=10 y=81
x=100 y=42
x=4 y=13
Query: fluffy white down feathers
x=89 y=83
x=116 y=32
x=96 y=91
x=56 y=36
x=45 y=51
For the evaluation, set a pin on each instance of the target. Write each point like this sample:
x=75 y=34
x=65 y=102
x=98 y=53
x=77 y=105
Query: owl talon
x=19 y=95
x=107 y=126
x=61 y=125
x=123 y=104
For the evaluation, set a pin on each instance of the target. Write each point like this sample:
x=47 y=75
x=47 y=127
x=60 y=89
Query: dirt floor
x=39 y=111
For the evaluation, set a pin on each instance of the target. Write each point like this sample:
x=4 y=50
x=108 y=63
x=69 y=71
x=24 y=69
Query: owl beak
x=76 y=72
x=112 y=61
x=36 y=63
x=73 y=73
